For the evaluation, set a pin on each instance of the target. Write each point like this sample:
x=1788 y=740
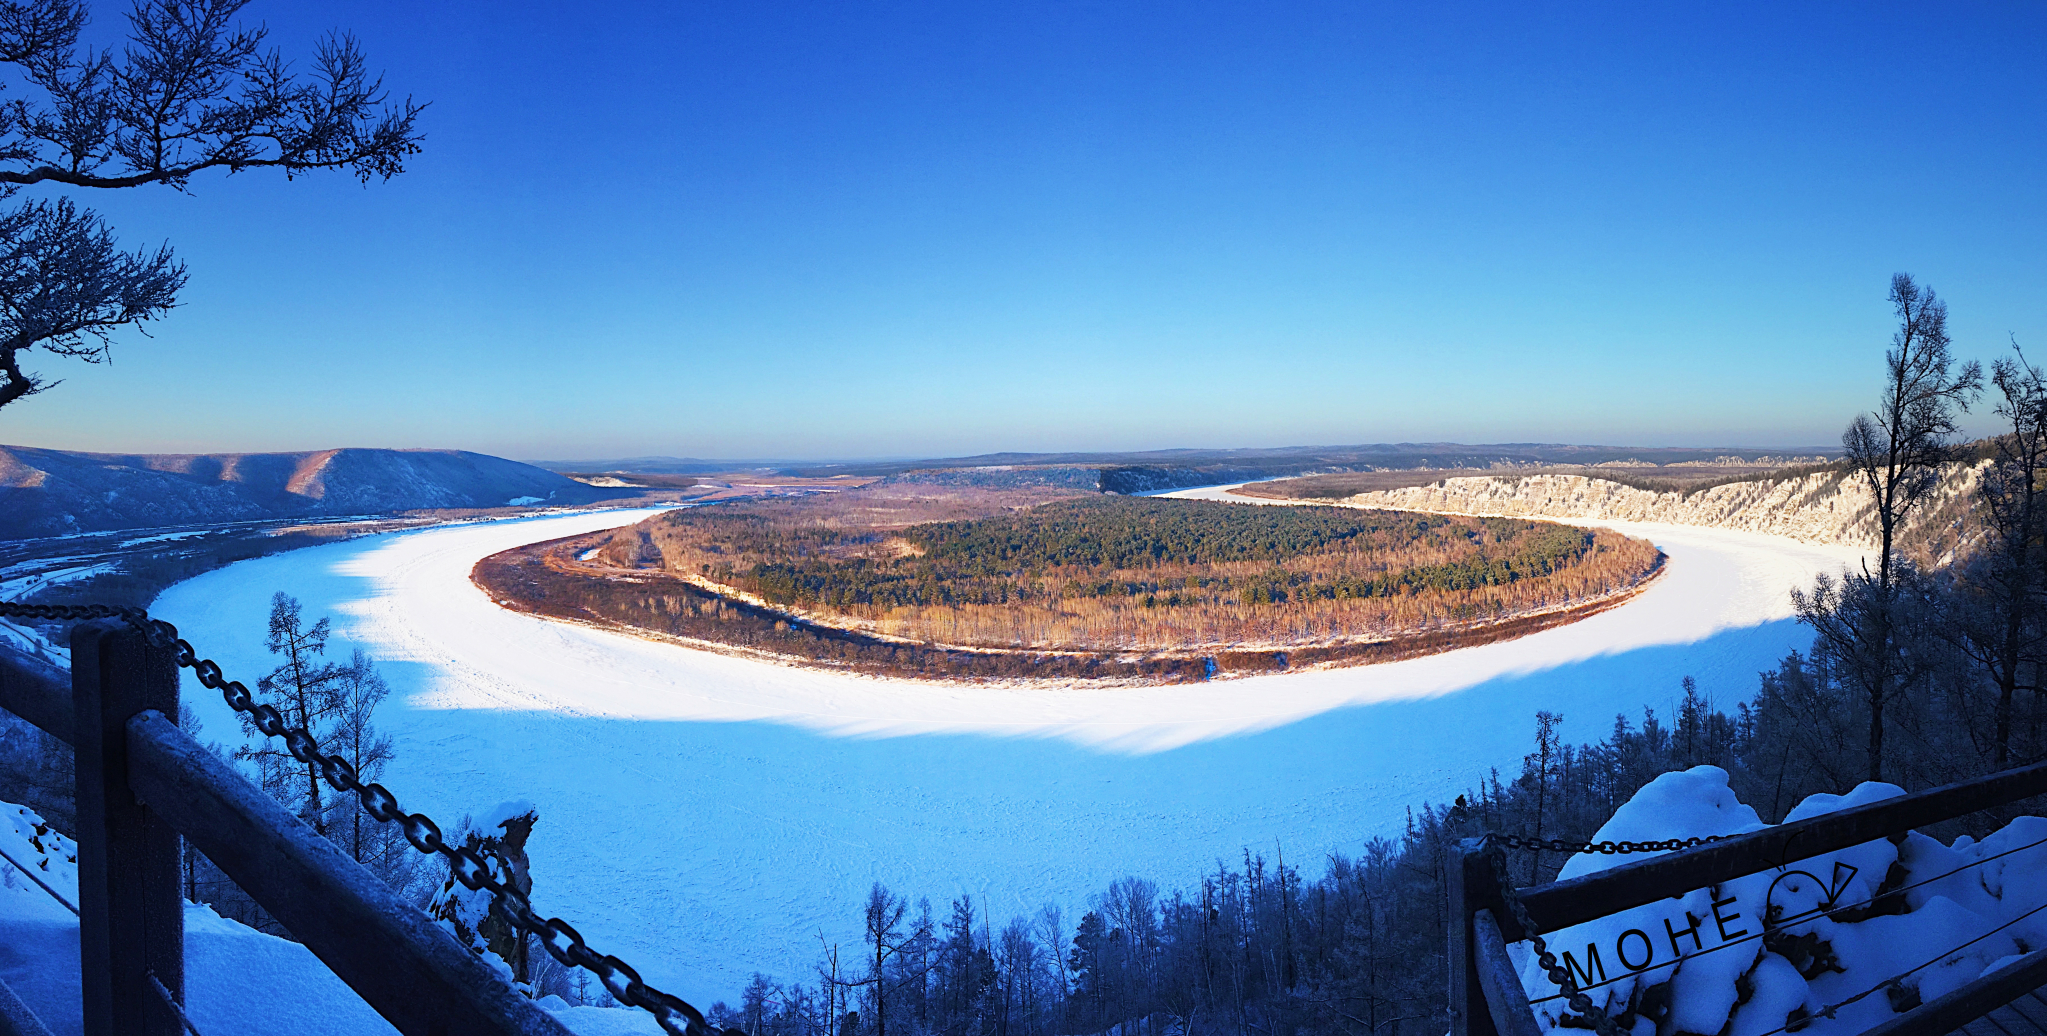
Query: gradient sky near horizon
x=836 y=231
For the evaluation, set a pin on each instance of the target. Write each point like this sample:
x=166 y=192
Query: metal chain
x=1558 y=845
x=70 y=612
x=1557 y=973
x=1495 y=849
x=563 y=942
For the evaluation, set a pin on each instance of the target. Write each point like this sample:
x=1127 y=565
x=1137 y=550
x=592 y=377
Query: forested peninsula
x=948 y=581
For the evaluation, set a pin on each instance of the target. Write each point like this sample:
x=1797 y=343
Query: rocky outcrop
x=1824 y=507
x=54 y=492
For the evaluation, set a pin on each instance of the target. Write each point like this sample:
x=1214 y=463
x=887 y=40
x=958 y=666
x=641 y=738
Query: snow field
x=704 y=816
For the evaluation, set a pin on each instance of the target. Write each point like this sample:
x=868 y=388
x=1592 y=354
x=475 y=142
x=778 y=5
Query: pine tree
x=307 y=691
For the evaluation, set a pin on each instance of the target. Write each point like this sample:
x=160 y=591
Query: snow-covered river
x=704 y=817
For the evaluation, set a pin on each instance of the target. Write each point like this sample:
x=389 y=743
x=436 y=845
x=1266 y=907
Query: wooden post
x=1472 y=888
x=1506 y=1002
x=399 y=960
x=131 y=919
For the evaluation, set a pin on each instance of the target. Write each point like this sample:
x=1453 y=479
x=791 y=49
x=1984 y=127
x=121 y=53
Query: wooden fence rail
x=1482 y=984
x=141 y=783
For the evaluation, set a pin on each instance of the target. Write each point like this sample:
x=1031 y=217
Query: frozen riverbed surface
x=704 y=817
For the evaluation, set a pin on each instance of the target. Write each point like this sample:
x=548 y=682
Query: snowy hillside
x=55 y=492
x=1968 y=908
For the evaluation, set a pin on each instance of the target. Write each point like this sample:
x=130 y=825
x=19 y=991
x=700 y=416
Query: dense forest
x=1256 y=945
x=1118 y=573
x=549 y=579
x=1354 y=944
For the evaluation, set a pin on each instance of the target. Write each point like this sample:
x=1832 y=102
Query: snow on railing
x=1758 y=929
x=141 y=783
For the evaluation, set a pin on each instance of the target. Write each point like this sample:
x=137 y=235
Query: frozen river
x=704 y=817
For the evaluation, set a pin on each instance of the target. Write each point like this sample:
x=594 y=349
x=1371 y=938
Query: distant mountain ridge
x=54 y=492
x=1154 y=470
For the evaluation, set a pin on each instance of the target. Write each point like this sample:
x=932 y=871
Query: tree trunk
x=1879 y=687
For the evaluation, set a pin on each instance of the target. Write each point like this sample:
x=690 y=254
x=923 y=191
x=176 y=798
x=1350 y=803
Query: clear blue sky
x=841 y=230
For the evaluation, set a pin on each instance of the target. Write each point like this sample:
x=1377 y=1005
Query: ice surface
x=704 y=816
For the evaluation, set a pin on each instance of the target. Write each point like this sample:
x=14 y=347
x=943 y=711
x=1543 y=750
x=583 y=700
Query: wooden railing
x=1486 y=997
x=142 y=784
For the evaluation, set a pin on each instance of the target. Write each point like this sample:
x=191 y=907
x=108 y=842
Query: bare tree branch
x=193 y=90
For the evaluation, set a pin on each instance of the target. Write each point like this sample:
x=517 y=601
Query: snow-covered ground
x=703 y=816
x=238 y=981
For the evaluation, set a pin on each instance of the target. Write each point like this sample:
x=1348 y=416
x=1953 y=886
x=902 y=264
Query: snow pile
x=237 y=980
x=1830 y=957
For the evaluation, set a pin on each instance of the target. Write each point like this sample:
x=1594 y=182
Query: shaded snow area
x=237 y=980
x=704 y=816
x=1703 y=962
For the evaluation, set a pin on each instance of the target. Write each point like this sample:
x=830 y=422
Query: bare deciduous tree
x=191 y=91
x=1898 y=450
x=65 y=286
x=1994 y=613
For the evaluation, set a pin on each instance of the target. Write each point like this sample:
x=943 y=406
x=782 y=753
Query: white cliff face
x=1829 y=507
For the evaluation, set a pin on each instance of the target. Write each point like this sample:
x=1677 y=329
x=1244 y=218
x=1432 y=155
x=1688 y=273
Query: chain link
x=1558 y=845
x=1495 y=850
x=1557 y=973
x=70 y=612
x=563 y=942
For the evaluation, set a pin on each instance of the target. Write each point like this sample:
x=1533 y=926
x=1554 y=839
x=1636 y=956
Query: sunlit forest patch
x=1174 y=588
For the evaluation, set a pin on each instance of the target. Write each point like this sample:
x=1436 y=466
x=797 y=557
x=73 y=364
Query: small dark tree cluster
x=337 y=702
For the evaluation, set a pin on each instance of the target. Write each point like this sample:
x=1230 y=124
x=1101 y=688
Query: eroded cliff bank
x=1832 y=507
